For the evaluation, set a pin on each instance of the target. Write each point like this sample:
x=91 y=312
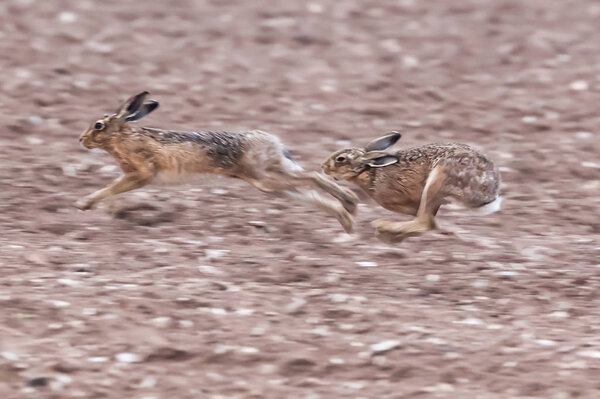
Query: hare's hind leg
x=329 y=206
x=127 y=182
x=431 y=199
x=346 y=197
x=279 y=185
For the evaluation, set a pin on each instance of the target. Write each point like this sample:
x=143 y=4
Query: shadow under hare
x=148 y=155
x=417 y=181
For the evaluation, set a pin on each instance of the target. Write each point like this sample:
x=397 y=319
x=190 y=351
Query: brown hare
x=154 y=155
x=417 y=181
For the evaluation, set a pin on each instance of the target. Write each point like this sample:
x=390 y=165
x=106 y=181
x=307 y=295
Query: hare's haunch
x=154 y=155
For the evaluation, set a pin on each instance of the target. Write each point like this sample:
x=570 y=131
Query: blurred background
x=216 y=290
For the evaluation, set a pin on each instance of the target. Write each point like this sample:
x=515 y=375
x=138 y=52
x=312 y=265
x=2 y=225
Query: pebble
x=35 y=120
x=186 y=323
x=60 y=304
x=10 y=356
x=338 y=298
x=470 y=321
x=98 y=359
x=559 y=314
x=210 y=270
x=161 y=322
x=367 y=264
x=432 y=277
x=583 y=135
x=126 y=357
x=68 y=282
x=215 y=253
x=594 y=354
x=218 y=191
x=248 y=349
x=295 y=306
x=67 y=17
x=148 y=382
x=545 y=342
x=579 y=85
x=384 y=346
x=38 y=381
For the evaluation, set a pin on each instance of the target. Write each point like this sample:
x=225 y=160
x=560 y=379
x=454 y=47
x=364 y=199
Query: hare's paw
x=350 y=201
x=85 y=203
x=394 y=232
x=346 y=220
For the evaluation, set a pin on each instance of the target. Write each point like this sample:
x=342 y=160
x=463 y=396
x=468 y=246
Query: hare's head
x=101 y=131
x=349 y=163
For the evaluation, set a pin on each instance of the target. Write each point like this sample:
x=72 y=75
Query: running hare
x=417 y=181
x=153 y=155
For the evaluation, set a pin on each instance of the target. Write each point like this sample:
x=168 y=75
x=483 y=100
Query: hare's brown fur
x=154 y=155
x=417 y=181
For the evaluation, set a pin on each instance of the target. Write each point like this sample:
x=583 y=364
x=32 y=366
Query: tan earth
x=216 y=290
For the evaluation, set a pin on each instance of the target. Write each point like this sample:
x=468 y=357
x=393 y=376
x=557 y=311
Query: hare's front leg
x=127 y=182
x=431 y=199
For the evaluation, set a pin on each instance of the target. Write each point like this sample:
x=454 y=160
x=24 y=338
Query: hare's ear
x=144 y=110
x=132 y=105
x=383 y=142
x=379 y=159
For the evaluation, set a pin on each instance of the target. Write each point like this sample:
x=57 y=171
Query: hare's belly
x=168 y=178
x=400 y=204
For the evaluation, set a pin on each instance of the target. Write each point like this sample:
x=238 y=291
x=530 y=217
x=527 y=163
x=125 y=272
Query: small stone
x=583 y=135
x=367 y=264
x=67 y=17
x=98 y=359
x=529 y=119
x=559 y=314
x=10 y=356
x=148 y=382
x=432 y=277
x=480 y=283
x=257 y=331
x=161 y=322
x=545 y=342
x=594 y=354
x=410 y=62
x=470 y=321
x=336 y=360
x=249 y=349
x=384 y=346
x=186 y=323
x=215 y=253
x=218 y=191
x=38 y=381
x=60 y=304
x=579 y=85
x=315 y=8
x=210 y=270
x=35 y=120
x=338 y=298
x=128 y=357
x=68 y=282
x=295 y=306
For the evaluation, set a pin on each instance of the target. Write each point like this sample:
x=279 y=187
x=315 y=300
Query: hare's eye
x=98 y=125
x=341 y=158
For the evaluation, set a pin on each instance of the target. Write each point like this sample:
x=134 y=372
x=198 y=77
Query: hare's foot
x=85 y=203
x=349 y=200
x=394 y=232
x=346 y=220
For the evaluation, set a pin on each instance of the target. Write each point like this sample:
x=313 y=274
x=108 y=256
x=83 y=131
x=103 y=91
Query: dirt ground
x=216 y=290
